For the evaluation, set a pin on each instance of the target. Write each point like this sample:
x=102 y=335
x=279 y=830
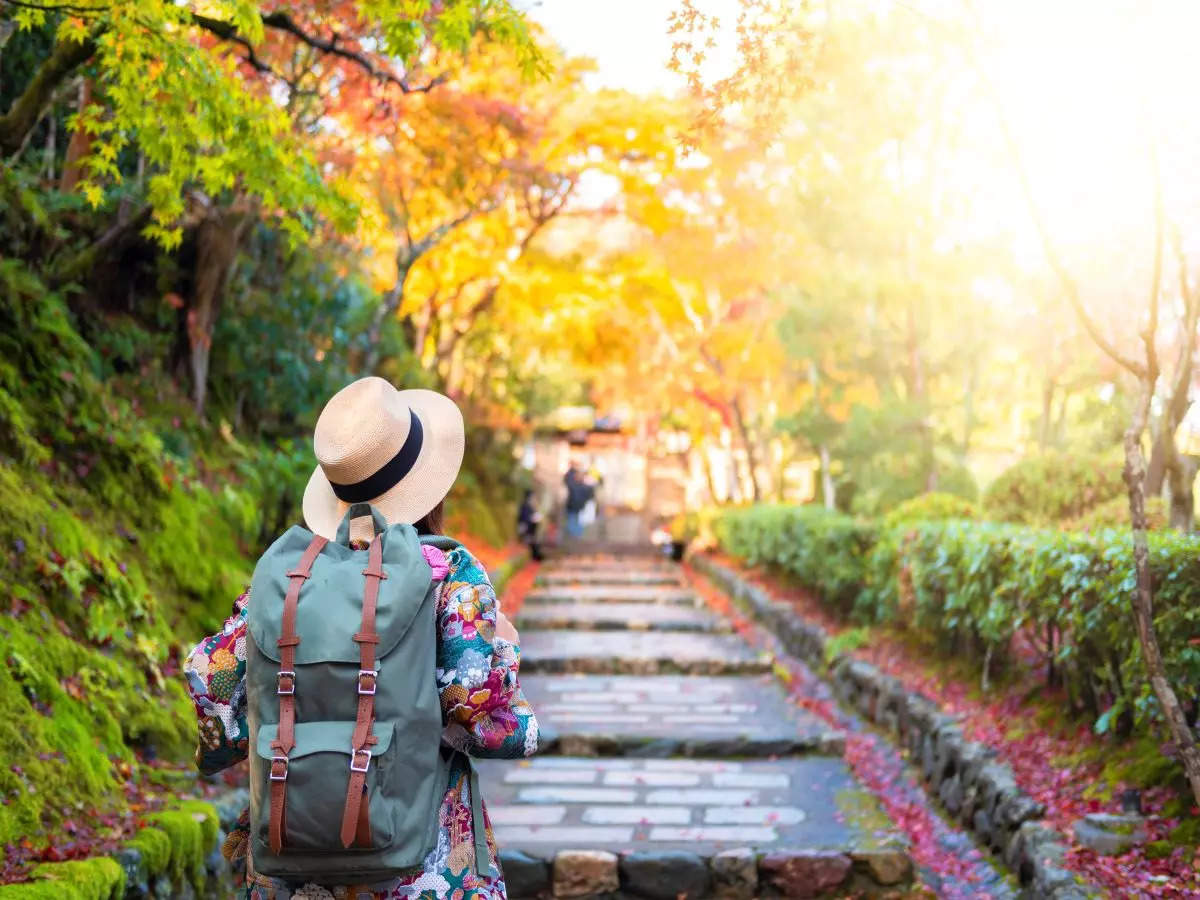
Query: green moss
x=86 y=879
x=155 y=846
x=861 y=812
x=1159 y=849
x=101 y=597
x=191 y=831
x=847 y=642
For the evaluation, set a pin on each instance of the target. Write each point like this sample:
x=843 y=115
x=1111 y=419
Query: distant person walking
x=579 y=492
x=529 y=521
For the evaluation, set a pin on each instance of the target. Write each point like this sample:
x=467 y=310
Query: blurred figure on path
x=528 y=524
x=579 y=492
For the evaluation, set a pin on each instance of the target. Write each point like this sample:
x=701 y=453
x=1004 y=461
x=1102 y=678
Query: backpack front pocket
x=317 y=777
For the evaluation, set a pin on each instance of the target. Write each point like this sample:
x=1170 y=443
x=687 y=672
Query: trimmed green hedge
x=825 y=550
x=996 y=594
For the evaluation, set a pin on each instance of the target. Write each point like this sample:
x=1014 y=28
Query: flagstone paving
x=621 y=617
x=703 y=806
x=671 y=762
x=638 y=653
x=671 y=715
x=598 y=575
x=612 y=593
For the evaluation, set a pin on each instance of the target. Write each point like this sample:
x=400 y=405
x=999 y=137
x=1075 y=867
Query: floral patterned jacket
x=483 y=709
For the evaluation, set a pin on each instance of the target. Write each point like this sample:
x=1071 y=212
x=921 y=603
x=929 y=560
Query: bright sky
x=627 y=38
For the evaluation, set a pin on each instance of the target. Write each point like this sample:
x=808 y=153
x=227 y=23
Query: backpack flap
x=336 y=584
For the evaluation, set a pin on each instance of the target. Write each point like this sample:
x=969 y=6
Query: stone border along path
x=672 y=762
x=974 y=789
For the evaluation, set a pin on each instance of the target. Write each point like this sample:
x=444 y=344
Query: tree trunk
x=828 y=489
x=708 y=474
x=1181 y=473
x=1143 y=598
x=388 y=305
x=25 y=111
x=970 y=381
x=1044 y=428
x=218 y=237
x=751 y=460
x=80 y=144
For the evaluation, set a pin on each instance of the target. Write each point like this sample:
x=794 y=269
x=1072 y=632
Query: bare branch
x=279 y=20
x=1150 y=335
x=1066 y=282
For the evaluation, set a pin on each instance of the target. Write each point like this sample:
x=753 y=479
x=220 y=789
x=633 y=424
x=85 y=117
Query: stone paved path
x=621 y=617
x=672 y=715
x=672 y=763
x=613 y=593
x=604 y=575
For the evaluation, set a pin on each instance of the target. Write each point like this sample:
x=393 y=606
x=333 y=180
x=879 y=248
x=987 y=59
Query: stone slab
x=638 y=653
x=810 y=804
x=617 y=576
x=621 y=617
x=672 y=715
x=613 y=593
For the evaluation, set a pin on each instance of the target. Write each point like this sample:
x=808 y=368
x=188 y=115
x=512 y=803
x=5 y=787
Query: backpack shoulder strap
x=285 y=687
x=443 y=543
x=355 y=823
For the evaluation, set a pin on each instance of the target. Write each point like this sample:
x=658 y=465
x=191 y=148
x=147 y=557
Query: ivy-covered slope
x=128 y=528
x=115 y=550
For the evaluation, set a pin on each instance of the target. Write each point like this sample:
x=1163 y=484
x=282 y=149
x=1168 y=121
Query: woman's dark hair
x=433 y=521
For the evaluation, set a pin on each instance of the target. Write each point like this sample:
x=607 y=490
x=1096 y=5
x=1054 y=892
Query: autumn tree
x=218 y=147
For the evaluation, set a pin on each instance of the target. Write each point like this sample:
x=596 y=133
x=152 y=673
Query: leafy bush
x=1114 y=513
x=890 y=479
x=1055 y=487
x=824 y=550
x=937 y=505
x=969 y=588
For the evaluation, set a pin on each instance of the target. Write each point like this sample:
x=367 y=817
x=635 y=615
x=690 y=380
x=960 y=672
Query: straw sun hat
x=400 y=451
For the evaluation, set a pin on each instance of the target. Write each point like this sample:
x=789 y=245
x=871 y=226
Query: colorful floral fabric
x=483 y=709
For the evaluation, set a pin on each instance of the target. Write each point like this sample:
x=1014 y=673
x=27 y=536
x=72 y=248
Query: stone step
x=612 y=593
x=583 y=827
x=670 y=715
x=638 y=653
x=621 y=617
x=559 y=577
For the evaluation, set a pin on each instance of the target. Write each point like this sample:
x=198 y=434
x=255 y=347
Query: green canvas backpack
x=347 y=772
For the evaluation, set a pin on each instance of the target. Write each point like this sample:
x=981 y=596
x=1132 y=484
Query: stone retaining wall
x=964 y=776
x=732 y=874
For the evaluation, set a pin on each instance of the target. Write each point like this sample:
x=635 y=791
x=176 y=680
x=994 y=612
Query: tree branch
x=25 y=111
x=279 y=20
x=86 y=258
x=1068 y=284
x=1150 y=335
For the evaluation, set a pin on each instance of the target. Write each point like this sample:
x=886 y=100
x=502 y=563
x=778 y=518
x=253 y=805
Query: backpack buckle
x=363 y=675
x=354 y=754
x=291 y=685
x=277 y=775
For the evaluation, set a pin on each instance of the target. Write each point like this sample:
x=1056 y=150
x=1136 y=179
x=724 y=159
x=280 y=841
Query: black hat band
x=391 y=474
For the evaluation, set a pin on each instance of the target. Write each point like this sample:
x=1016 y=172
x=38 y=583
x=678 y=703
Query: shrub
x=824 y=550
x=1114 y=513
x=937 y=505
x=969 y=588
x=1052 y=488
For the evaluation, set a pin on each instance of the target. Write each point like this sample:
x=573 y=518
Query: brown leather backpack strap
x=360 y=750
x=285 y=687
